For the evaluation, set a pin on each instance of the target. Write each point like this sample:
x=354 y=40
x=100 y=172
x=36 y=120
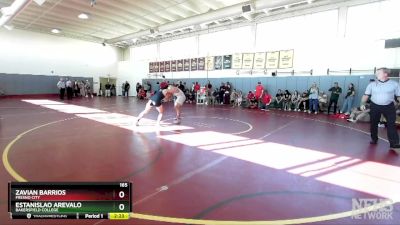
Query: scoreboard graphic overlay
x=72 y=200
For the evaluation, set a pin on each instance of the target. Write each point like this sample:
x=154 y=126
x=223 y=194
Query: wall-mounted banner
x=193 y=64
x=237 y=61
x=227 y=63
x=173 y=66
x=150 y=67
x=248 y=59
x=201 y=63
x=210 y=63
x=186 y=64
x=162 y=64
x=286 y=59
x=259 y=60
x=218 y=62
x=156 y=67
x=272 y=61
x=167 y=66
x=179 y=64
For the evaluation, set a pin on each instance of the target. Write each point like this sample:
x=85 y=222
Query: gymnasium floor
x=219 y=164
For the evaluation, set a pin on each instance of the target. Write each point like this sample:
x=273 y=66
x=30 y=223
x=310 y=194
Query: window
x=226 y=42
x=374 y=21
x=147 y=52
x=177 y=49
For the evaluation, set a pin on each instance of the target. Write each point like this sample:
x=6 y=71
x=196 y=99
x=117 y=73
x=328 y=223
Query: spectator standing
x=108 y=89
x=127 y=87
x=69 y=87
x=196 y=87
x=61 y=88
x=335 y=93
x=227 y=95
x=76 y=88
x=348 y=100
x=313 y=98
x=259 y=91
x=82 y=88
x=222 y=90
x=123 y=89
x=88 y=88
x=113 y=91
x=101 y=89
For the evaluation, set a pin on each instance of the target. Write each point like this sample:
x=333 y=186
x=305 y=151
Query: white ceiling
x=127 y=22
x=108 y=18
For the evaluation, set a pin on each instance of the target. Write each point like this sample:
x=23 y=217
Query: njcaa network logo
x=372 y=209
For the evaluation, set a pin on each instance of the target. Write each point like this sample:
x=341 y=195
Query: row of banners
x=260 y=60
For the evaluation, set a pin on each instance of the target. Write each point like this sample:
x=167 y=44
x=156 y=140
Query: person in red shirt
x=142 y=94
x=266 y=100
x=259 y=90
x=252 y=100
x=250 y=96
x=259 y=93
x=196 y=87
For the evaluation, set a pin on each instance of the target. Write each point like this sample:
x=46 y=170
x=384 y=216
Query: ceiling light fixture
x=83 y=16
x=39 y=2
x=9 y=27
x=287 y=6
x=310 y=1
x=55 y=31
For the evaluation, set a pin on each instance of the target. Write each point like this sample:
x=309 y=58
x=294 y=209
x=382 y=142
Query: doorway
x=113 y=82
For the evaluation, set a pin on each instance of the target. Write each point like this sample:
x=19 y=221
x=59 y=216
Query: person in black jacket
x=222 y=90
x=127 y=87
x=108 y=89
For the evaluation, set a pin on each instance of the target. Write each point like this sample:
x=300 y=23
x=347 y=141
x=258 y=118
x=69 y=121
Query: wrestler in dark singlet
x=155 y=101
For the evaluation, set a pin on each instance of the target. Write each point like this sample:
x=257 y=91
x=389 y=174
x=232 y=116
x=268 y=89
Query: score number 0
x=121 y=195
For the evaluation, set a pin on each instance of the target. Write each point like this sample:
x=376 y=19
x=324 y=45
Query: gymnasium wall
x=24 y=52
x=291 y=83
x=23 y=84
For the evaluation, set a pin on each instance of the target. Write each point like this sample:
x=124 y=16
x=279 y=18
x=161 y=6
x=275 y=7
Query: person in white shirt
x=239 y=98
x=382 y=94
x=69 y=85
x=313 y=98
x=61 y=87
x=88 y=89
